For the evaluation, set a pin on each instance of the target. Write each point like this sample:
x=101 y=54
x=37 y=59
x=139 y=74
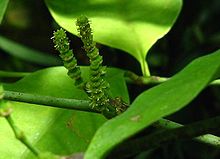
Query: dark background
x=195 y=33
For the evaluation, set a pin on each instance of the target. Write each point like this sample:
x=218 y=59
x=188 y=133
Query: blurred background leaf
x=3 y=6
x=27 y=54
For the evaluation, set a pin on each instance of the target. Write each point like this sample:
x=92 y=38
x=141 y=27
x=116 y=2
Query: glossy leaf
x=156 y=103
x=26 y=53
x=3 y=6
x=132 y=26
x=52 y=129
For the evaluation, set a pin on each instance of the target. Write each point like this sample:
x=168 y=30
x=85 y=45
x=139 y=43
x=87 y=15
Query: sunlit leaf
x=133 y=26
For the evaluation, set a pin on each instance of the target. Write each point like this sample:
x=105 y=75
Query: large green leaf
x=156 y=103
x=132 y=26
x=3 y=6
x=50 y=129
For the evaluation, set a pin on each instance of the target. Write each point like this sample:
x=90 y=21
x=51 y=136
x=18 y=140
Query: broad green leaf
x=133 y=26
x=156 y=103
x=3 y=6
x=26 y=53
x=52 y=129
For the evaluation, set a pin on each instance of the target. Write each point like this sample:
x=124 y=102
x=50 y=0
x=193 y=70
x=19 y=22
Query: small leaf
x=156 y=103
x=59 y=131
x=3 y=6
x=132 y=26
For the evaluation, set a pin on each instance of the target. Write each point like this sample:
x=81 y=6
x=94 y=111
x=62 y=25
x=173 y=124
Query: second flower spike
x=61 y=42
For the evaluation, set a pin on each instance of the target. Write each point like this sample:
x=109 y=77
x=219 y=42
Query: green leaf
x=132 y=26
x=50 y=129
x=156 y=103
x=26 y=53
x=3 y=6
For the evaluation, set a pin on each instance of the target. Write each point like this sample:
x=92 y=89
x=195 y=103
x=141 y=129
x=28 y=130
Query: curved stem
x=5 y=74
x=141 y=80
x=20 y=135
x=187 y=132
x=75 y=104
x=209 y=139
x=145 y=69
x=181 y=132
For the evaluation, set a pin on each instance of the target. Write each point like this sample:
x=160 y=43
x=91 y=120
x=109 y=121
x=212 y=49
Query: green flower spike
x=97 y=87
x=61 y=42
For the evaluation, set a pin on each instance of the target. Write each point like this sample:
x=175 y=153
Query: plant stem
x=141 y=80
x=83 y=105
x=209 y=139
x=20 y=135
x=145 y=69
x=75 y=104
x=175 y=132
x=189 y=131
x=5 y=74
